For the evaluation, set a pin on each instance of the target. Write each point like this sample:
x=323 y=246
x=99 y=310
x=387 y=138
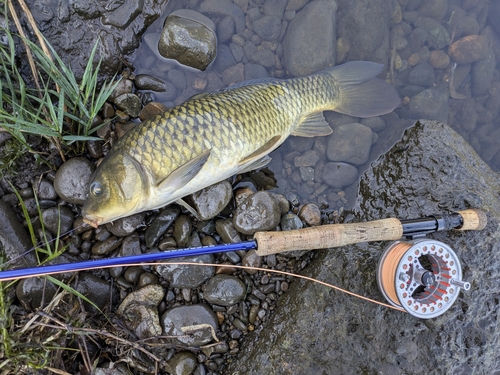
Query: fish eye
x=95 y=188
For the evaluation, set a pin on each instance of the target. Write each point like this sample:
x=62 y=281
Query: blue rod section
x=23 y=273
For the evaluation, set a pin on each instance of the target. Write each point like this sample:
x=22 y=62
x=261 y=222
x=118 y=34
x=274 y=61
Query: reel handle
x=326 y=236
x=336 y=235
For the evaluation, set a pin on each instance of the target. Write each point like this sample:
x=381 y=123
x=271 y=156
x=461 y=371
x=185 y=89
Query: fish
x=213 y=136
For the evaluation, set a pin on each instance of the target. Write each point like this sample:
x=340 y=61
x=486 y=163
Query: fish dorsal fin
x=182 y=175
x=261 y=151
x=312 y=125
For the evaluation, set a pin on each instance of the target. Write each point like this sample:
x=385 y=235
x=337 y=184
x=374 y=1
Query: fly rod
x=266 y=243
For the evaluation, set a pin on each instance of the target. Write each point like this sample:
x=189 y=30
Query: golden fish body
x=211 y=137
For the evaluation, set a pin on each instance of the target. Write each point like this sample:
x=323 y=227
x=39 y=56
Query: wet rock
x=437 y=35
x=251 y=259
x=45 y=190
x=443 y=159
x=308 y=159
x=147 y=82
x=290 y=222
x=182 y=363
x=224 y=59
x=188 y=37
x=316 y=21
x=350 y=143
x=364 y=25
x=186 y=276
x=129 y=103
x=224 y=8
x=152 y=109
x=14 y=240
x=430 y=104
x=182 y=230
x=227 y=232
x=106 y=246
x=438 y=59
x=310 y=214
x=127 y=225
x=469 y=49
x=259 y=212
x=35 y=293
x=72 y=180
x=139 y=311
x=210 y=201
x=224 y=290
x=160 y=224
x=124 y=86
x=174 y=319
x=58 y=219
x=130 y=245
x=435 y=9
x=268 y=27
x=95 y=289
x=422 y=74
x=338 y=175
x=225 y=29
x=483 y=74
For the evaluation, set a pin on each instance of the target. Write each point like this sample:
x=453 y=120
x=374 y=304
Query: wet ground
x=316 y=180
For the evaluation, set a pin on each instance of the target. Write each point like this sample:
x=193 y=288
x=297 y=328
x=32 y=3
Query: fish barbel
x=212 y=137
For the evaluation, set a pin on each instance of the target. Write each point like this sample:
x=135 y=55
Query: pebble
x=184 y=316
x=182 y=363
x=224 y=8
x=160 y=225
x=147 y=82
x=251 y=259
x=14 y=239
x=188 y=37
x=72 y=180
x=182 y=230
x=124 y=86
x=291 y=222
x=430 y=104
x=58 y=219
x=268 y=27
x=310 y=214
x=350 y=143
x=469 y=49
x=129 y=103
x=259 y=212
x=439 y=59
x=224 y=290
x=106 y=246
x=45 y=190
x=140 y=311
x=437 y=35
x=35 y=293
x=316 y=21
x=227 y=232
x=151 y=110
x=210 y=201
x=338 y=174
x=422 y=75
x=127 y=225
x=95 y=289
x=186 y=276
x=483 y=73
x=307 y=159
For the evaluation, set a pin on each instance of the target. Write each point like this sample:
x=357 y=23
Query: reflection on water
x=415 y=43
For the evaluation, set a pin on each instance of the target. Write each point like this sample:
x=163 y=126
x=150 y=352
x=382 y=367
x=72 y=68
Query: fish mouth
x=93 y=221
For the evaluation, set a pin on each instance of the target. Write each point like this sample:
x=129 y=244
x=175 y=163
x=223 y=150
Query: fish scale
x=213 y=136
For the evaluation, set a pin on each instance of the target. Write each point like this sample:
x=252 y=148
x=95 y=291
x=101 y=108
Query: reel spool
x=422 y=276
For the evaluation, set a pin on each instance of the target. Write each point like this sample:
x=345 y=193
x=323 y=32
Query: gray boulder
x=437 y=172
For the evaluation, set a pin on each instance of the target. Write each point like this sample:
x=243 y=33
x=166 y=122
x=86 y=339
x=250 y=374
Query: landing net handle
x=335 y=235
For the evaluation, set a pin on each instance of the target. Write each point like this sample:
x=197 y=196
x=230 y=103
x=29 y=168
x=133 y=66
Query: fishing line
x=40 y=244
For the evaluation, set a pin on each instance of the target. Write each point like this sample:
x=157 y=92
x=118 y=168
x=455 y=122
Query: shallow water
x=481 y=133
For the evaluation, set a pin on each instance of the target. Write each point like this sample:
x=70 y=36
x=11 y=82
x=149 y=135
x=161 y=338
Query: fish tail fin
x=360 y=93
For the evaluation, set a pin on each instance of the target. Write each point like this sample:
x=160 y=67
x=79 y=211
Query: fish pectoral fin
x=256 y=164
x=182 y=175
x=259 y=155
x=313 y=125
x=187 y=206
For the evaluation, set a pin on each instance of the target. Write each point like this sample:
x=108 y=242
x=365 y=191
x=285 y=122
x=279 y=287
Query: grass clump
x=55 y=106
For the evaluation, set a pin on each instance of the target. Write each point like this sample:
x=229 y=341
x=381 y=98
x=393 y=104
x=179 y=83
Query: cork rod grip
x=326 y=236
x=473 y=219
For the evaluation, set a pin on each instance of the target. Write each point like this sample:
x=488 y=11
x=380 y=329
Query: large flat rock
x=316 y=330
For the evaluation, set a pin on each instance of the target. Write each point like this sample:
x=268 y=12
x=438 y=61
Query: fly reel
x=422 y=276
